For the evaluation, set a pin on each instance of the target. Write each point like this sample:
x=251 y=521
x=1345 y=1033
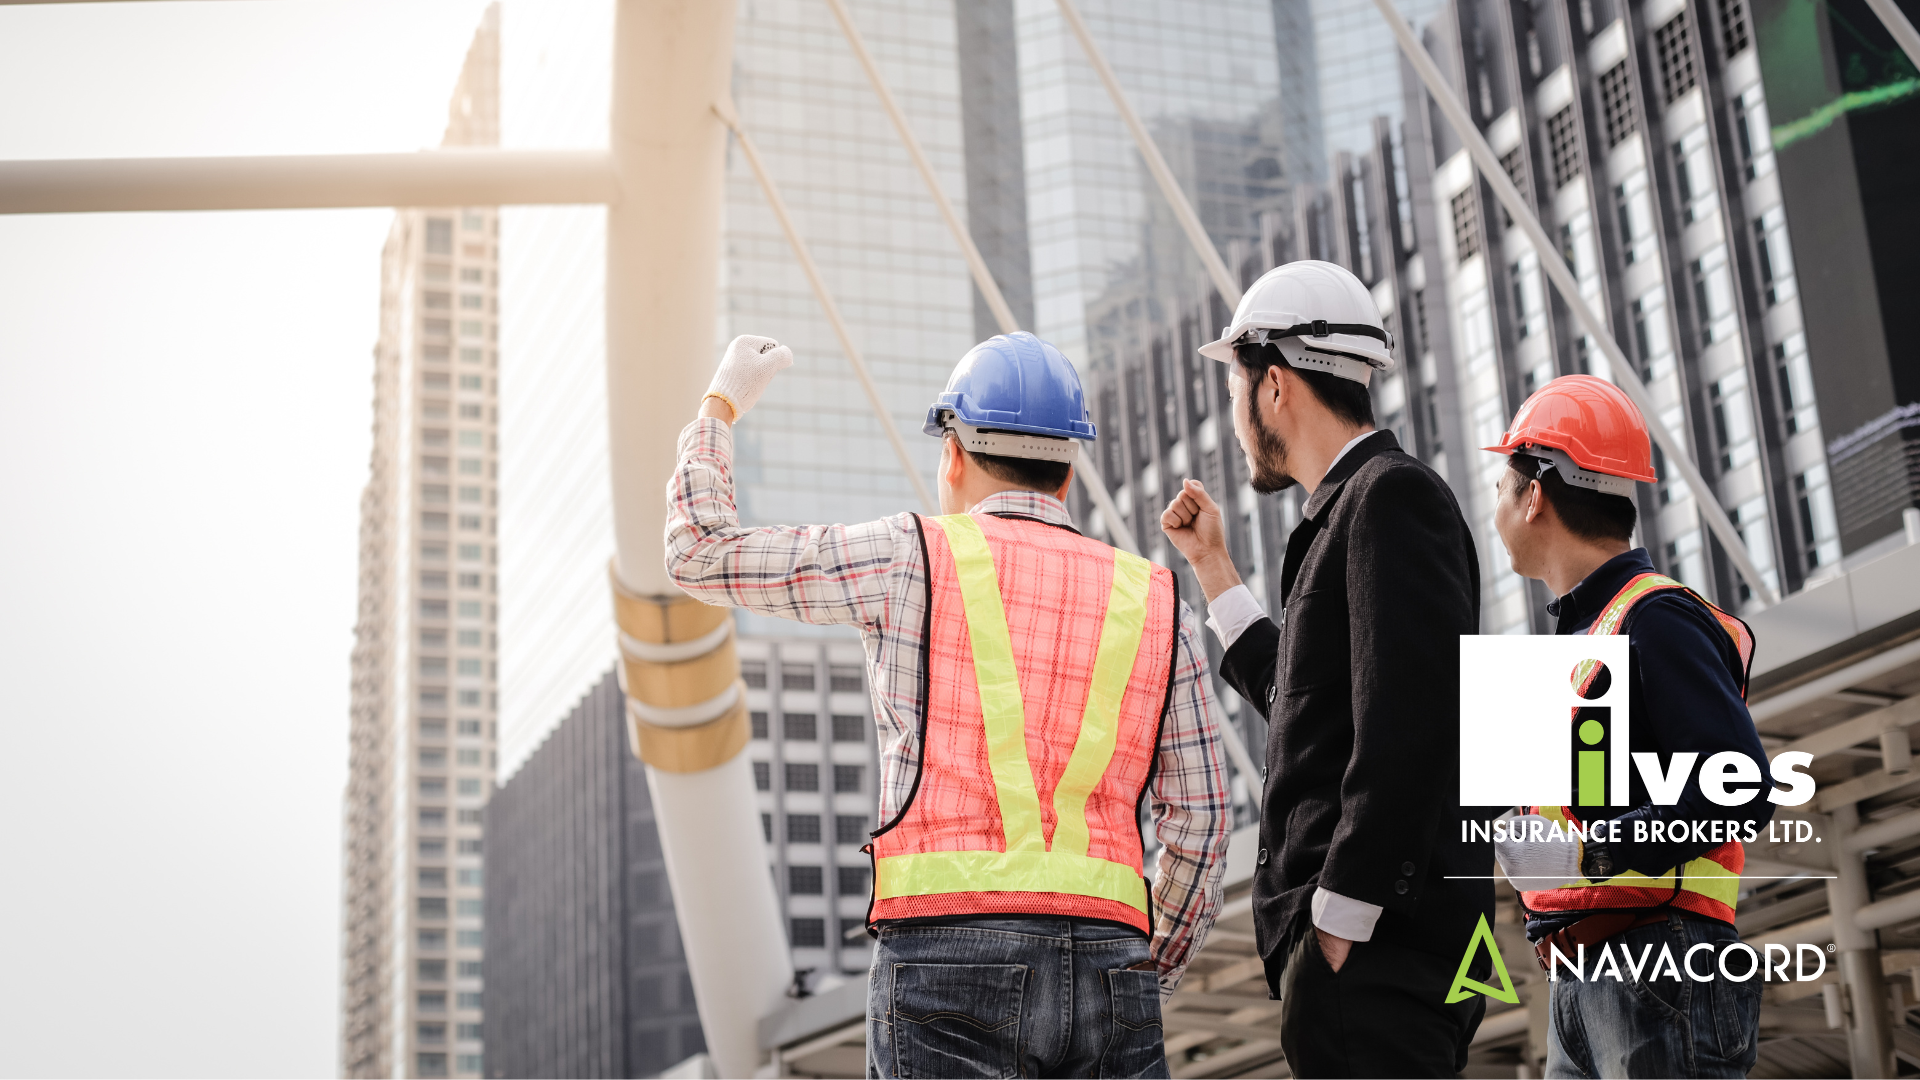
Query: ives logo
x=1546 y=721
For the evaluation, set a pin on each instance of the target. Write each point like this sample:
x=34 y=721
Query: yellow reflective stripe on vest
x=1100 y=725
x=1616 y=609
x=1026 y=865
x=1702 y=875
x=1001 y=707
x=936 y=872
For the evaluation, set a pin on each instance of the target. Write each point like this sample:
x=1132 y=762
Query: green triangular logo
x=1464 y=988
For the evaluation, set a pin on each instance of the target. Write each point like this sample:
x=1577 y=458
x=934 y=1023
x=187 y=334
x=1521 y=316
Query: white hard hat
x=1319 y=314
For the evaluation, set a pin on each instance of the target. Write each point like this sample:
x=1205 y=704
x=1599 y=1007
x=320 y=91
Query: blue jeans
x=1642 y=1026
x=1013 y=996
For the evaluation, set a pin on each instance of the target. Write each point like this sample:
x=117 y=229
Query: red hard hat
x=1589 y=418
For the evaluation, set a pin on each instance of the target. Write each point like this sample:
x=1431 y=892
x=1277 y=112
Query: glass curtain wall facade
x=421 y=759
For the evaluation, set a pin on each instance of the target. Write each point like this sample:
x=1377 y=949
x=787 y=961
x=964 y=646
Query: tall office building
x=585 y=973
x=423 y=698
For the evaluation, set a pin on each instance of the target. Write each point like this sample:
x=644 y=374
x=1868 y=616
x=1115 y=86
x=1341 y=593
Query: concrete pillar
x=672 y=59
x=1869 y=1034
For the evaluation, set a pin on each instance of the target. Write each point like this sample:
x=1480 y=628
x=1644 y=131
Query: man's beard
x=1269 y=458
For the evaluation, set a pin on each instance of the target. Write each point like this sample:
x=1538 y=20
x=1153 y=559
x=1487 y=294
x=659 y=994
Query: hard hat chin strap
x=1012 y=444
x=1563 y=463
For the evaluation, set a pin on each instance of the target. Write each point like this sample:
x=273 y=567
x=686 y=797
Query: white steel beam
x=478 y=177
x=1679 y=457
x=1898 y=25
x=671 y=61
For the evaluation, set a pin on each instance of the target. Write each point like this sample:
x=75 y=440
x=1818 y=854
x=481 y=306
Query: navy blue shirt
x=1684 y=695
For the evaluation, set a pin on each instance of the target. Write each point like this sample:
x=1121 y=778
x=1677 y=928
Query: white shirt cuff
x=1230 y=613
x=1343 y=916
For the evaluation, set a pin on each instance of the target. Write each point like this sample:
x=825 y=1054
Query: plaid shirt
x=870 y=576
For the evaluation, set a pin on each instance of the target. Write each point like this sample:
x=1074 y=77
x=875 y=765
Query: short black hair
x=1352 y=402
x=1587 y=514
x=1033 y=474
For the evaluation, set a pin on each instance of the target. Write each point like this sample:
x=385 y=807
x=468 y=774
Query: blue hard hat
x=1015 y=382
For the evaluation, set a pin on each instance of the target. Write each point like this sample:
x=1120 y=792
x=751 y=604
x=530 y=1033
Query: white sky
x=184 y=411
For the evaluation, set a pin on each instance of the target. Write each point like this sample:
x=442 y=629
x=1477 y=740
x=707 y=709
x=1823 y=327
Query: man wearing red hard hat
x=1669 y=885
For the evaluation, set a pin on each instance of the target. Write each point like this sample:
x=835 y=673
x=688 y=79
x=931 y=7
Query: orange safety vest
x=1048 y=661
x=1708 y=885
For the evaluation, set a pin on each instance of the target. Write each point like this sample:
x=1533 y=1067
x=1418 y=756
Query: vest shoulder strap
x=1617 y=615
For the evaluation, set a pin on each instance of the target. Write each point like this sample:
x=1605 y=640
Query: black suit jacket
x=1361 y=686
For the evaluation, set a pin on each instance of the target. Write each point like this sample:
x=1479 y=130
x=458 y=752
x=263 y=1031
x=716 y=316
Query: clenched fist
x=1193 y=523
x=745 y=371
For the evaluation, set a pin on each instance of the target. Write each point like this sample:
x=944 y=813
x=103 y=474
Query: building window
x=470 y=698
x=434 y=380
x=471 y=412
x=433 y=728
x=433 y=436
x=469 y=786
x=472 y=382
x=803 y=828
x=472 y=301
x=434 y=552
x=433 y=759
x=849 y=728
x=766 y=826
x=799 y=727
x=754 y=672
x=473 y=438
x=1774 y=256
x=433 y=817
x=433 y=698
x=431 y=907
x=1686 y=561
x=845 y=678
x=469 y=817
x=469 y=727
x=469 y=757
x=1529 y=301
x=762 y=776
x=470 y=1063
x=808 y=933
x=470 y=495
x=468 y=969
x=803 y=777
x=1750 y=518
x=431 y=970
x=469 y=522
x=1733 y=26
x=796 y=676
x=430 y=1065
x=1733 y=421
x=1635 y=208
x=1796 y=384
x=434 y=493
x=1693 y=174
x=1466 y=225
x=433 y=522
x=852 y=880
x=469 y=939
x=431 y=1033
x=469 y=666
x=430 y=1001
x=470 y=846
x=805 y=880
x=440 y=240
x=468 y=999
x=438 y=272
x=469 y=909
x=1819 y=527
x=759 y=722
x=847 y=777
x=1675 y=47
x=1514 y=164
x=470 y=609
x=1650 y=334
x=437 y=327
x=1713 y=296
x=1616 y=101
x=472 y=356
x=434 y=300
x=433 y=787
x=850 y=829
x=470 y=467
x=433 y=849
x=1563 y=137
x=432 y=940
x=433 y=667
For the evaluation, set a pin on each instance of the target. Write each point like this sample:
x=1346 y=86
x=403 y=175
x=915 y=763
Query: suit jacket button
x=1400 y=887
x=1263 y=856
x=1406 y=868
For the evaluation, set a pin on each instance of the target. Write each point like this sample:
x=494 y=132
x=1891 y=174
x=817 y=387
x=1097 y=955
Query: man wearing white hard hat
x=1364 y=898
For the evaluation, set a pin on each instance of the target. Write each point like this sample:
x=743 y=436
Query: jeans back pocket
x=1136 y=1043
x=957 y=1019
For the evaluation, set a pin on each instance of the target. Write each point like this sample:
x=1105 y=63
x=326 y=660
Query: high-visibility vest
x=1048 y=660
x=1708 y=885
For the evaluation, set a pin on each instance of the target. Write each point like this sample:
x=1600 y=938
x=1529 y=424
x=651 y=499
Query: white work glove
x=746 y=370
x=1538 y=864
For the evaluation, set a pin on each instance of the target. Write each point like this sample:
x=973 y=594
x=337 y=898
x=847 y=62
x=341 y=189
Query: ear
x=1062 y=493
x=1536 y=501
x=953 y=462
x=1275 y=386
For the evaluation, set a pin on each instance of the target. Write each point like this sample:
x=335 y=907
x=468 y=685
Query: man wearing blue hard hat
x=1033 y=688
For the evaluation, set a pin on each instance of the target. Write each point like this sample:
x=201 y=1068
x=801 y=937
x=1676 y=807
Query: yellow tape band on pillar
x=685 y=682
x=662 y=620
x=1002 y=709
x=691 y=749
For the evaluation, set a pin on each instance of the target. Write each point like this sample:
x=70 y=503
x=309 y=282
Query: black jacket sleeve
x=1409 y=597
x=1248 y=665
